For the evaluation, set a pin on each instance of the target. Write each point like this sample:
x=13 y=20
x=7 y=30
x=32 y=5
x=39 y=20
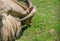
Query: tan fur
x=9 y=5
x=6 y=5
x=22 y=5
x=14 y=8
x=10 y=28
x=27 y=19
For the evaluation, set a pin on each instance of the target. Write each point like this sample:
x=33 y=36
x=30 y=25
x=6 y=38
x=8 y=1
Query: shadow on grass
x=21 y=33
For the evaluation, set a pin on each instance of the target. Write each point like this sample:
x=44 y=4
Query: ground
x=45 y=23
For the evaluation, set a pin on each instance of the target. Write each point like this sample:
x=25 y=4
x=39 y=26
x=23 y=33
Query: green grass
x=46 y=22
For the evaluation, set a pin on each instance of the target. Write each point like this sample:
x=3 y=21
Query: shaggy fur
x=10 y=28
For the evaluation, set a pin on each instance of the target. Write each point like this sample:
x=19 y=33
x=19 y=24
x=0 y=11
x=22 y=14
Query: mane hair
x=10 y=28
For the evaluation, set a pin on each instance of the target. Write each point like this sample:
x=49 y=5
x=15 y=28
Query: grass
x=46 y=22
